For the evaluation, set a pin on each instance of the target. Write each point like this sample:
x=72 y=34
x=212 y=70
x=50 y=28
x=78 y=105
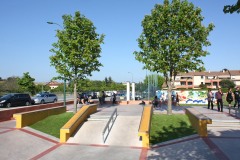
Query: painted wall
x=187 y=97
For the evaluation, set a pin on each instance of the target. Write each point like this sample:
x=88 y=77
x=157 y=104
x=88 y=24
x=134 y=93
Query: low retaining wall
x=7 y=114
x=198 y=121
x=28 y=118
x=70 y=127
x=145 y=126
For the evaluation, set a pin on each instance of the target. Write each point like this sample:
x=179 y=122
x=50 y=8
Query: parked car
x=120 y=96
x=15 y=99
x=44 y=97
x=138 y=97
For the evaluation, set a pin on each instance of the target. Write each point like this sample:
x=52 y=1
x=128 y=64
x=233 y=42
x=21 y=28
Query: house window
x=202 y=77
x=183 y=83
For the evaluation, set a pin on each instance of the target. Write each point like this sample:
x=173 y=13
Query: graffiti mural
x=186 y=97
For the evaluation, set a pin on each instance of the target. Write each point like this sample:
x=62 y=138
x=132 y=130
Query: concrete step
x=223 y=126
x=225 y=123
x=94 y=115
x=98 y=118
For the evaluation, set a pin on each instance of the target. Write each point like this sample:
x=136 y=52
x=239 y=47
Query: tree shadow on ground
x=171 y=132
x=174 y=108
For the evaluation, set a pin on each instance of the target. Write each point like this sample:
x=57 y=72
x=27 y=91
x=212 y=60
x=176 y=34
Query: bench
x=145 y=126
x=198 y=121
x=7 y=114
x=73 y=124
x=28 y=118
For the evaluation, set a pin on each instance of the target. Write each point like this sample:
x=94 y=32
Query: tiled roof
x=53 y=83
x=211 y=73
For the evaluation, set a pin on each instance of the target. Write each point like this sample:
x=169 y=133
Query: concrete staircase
x=99 y=117
x=225 y=123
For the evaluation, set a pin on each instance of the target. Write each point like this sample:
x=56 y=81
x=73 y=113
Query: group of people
x=102 y=97
x=157 y=102
x=82 y=99
x=230 y=97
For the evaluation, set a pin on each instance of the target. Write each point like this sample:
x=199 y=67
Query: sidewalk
x=26 y=143
x=222 y=142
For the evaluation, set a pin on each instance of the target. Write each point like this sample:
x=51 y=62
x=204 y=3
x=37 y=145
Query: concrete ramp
x=89 y=133
x=123 y=133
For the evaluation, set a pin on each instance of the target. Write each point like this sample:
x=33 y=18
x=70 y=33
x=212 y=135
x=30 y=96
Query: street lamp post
x=64 y=93
x=225 y=69
x=55 y=23
x=64 y=86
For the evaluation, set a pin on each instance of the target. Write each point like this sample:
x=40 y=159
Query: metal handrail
x=107 y=127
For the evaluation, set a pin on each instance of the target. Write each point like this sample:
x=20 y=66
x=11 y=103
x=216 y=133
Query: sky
x=26 y=38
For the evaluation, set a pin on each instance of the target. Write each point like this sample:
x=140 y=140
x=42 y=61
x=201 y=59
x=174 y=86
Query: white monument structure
x=128 y=91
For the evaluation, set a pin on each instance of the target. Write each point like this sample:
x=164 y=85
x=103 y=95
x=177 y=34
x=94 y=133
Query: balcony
x=184 y=86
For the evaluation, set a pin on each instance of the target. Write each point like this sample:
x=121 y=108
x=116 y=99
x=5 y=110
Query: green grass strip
x=169 y=127
x=52 y=124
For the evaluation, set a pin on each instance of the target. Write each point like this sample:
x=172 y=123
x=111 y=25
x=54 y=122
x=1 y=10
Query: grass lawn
x=52 y=124
x=168 y=127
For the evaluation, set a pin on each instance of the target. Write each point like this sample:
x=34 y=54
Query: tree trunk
x=169 y=111
x=75 y=96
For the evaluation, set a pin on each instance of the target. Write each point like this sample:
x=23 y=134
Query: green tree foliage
x=226 y=83
x=161 y=81
x=155 y=83
x=27 y=83
x=96 y=86
x=232 y=8
x=172 y=41
x=60 y=89
x=43 y=88
x=108 y=81
x=85 y=85
x=77 y=50
x=10 y=85
x=203 y=86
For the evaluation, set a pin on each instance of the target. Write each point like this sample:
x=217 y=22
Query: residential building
x=53 y=84
x=211 y=79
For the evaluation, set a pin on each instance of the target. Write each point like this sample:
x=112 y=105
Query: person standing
x=229 y=97
x=210 y=98
x=103 y=97
x=114 y=98
x=155 y=102
x=237 y=97
x=100 y=98
x=163 y=98
x=78 y=98
x=218 y=96
x=177 y=99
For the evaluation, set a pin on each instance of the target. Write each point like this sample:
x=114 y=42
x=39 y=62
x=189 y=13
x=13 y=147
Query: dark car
x=15 y=99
